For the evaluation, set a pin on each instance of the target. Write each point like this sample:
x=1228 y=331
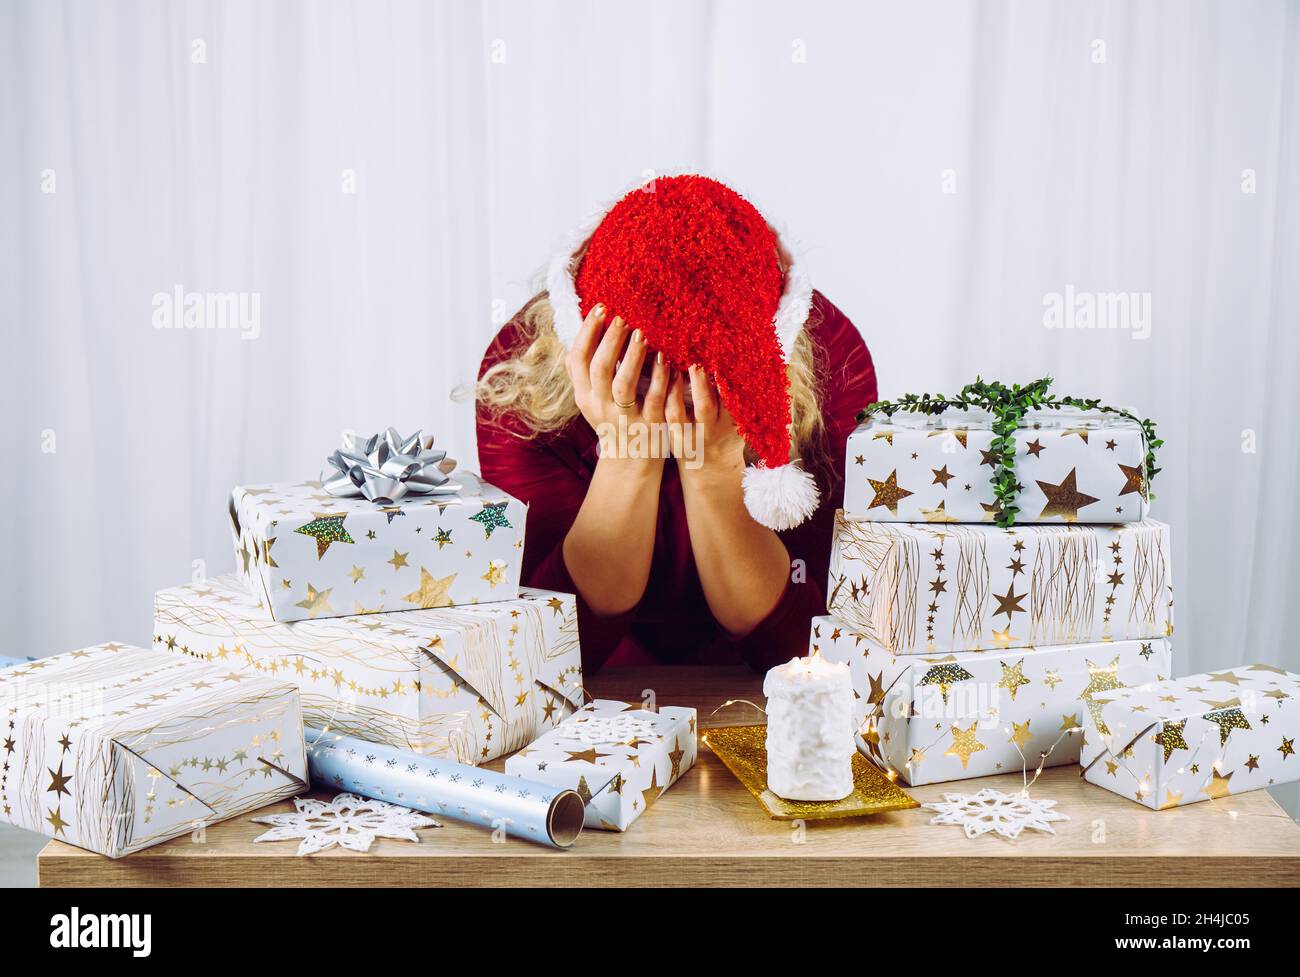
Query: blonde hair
x=532 y=385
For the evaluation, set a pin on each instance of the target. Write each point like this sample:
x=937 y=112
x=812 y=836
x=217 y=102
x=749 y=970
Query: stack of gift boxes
x=401 y=623
x=498 y=673
x=396 y=621
x=974 y=647
x=978 y=650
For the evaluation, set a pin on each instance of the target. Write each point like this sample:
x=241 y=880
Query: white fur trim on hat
x=560 y=285
x=779 y=498
x=795 y=305
x=791 y=312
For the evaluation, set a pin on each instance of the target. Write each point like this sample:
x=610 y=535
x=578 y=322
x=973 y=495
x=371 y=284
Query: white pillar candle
x=810 y=730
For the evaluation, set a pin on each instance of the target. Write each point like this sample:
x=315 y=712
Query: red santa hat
x=695 y=267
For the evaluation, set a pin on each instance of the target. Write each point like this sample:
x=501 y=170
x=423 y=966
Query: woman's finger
x=703 y=397
x=657 y=393
x=585 y=341
x=606 y=357
x=578 y=360
x=675 y=405
x=623 y=387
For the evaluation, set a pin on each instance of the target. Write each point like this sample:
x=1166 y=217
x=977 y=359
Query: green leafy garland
x=1008 y=405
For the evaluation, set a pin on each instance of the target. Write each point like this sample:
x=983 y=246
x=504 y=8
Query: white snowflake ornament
x=608 y=730
x=991 y=810
x=348 y=821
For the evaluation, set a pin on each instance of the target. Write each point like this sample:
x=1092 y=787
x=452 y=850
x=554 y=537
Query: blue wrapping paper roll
x=522 y=808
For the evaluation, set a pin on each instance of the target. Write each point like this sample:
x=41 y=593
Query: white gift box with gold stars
x=307 y=554
x=115 y=748
x=466 y=683
x=618 y=756
x=921 y=588
x=1071 y=466
x=1197 y=738
x=931 y=719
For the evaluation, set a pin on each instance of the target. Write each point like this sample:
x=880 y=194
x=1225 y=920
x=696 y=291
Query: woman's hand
x=743 y=566
x=609 y=547
x=605 y=370
x=706 y=443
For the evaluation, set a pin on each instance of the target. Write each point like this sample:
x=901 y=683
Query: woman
x=682 y=314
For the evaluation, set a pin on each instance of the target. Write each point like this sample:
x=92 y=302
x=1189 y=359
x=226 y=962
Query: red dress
x=672 y=623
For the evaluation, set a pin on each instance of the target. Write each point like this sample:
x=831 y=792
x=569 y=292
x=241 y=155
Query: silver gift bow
x=386 y=467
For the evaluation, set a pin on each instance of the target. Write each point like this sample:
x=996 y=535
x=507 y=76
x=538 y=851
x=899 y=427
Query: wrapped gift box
x=1196 y=738
x=467 y=683
x=933 y=719
x=1070 y=466
x=115 y=748
x=921 y=588
x=307 y=554
x=618 y=757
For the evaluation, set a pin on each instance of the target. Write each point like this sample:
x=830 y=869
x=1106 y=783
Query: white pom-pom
x=780 y=498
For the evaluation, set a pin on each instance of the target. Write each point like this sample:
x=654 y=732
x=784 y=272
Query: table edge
x=68 y=870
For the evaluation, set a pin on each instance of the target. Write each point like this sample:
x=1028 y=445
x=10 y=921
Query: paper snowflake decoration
x=620 y=730
x=348 y=821
x=992 y=810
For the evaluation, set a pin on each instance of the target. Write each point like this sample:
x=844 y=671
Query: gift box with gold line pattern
x=115 y=748
x=466 y=683
x=932 y=588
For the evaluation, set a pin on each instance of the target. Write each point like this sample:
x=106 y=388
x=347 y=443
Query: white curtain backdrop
x=388 y=178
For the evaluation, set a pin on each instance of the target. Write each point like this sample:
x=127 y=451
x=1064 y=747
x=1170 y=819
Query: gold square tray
x=743 y=750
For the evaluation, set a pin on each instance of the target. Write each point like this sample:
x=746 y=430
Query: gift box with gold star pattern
x=924 y=588
x=115 y=748
x=618 y=756
x=466 y=683
x=934 y=718
x=1197 y=738
x=308 y=554
x=1071 y=466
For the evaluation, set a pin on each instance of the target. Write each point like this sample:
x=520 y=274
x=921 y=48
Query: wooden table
x=708 y=830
